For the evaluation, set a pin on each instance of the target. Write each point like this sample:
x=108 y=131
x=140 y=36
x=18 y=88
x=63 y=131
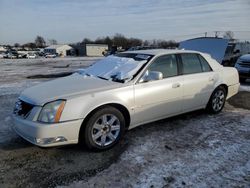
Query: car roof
x=160 y=51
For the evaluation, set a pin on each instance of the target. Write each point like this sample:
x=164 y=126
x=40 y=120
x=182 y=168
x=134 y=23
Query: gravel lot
x=191 y=150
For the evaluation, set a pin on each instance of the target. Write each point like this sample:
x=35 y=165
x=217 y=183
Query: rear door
x=198 y=81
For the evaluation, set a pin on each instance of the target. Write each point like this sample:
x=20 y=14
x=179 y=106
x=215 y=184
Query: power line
x=216 y=33
x=233 y=31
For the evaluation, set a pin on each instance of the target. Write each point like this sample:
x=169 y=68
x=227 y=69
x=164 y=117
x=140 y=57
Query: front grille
x=22 y=108
x=244 y=75
x=245 y=64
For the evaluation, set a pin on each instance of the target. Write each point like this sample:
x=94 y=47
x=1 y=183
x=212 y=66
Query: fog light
x=44 y=141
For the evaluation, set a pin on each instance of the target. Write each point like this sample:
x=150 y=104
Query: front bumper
x=47 y=135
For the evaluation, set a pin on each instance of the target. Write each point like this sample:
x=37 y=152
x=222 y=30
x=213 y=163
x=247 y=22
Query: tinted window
x=204 y=64
x=167 y=65
x=191 y=63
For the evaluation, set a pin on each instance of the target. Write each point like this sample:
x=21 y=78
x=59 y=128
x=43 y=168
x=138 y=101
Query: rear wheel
x=104 y=129
x=217 y=100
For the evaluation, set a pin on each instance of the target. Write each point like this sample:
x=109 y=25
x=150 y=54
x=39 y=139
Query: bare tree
x=104 y=40
x=87 y=41
x=29 y=45
x=40 y=42
x=120 y=40
x=228 y=35
x=17 y=45
x=134 y=42
x=52 y=41
x=167 y=44
x=146 y=43
x=108 y=40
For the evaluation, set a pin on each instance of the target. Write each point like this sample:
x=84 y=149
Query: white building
x=89 y=49
x=61 y=50
x=95 y=49
x=2 y=49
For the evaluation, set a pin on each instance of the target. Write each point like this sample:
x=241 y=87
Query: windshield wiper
x=115 y=79
x=102 y=78
x=118 y=80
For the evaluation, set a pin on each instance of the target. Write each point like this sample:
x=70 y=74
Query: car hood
x=216 y=47
x=245 y=58
x=66 y=87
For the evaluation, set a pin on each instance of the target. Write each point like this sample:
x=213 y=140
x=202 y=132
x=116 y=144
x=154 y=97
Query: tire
x=217 y=100
x=103 y=129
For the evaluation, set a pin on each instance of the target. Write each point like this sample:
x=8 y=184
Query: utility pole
x=216 y=34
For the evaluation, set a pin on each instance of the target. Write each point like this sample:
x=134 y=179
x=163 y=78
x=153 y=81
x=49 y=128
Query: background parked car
x=3 y=55
x=243 y=67
x=31 y=56
x=47 y=55
x=12 y=55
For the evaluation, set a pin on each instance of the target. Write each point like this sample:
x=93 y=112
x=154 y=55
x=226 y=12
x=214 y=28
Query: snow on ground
x=15 y=70
x=13 y=80
x=197 y=151
x=245 y=87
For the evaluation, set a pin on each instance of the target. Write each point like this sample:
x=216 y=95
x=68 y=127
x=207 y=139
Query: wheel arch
x=220 y=85
x=118 y=106
x=224 y=86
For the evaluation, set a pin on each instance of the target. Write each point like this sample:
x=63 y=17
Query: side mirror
x=151 y=75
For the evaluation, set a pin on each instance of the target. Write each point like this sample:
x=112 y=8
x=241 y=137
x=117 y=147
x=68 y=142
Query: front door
x=157 y=99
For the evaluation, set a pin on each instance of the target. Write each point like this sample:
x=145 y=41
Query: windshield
x=120 y=67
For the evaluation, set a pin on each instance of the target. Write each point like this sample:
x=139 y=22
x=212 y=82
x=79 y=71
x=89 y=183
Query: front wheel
x=104 y=129
x=217 y=100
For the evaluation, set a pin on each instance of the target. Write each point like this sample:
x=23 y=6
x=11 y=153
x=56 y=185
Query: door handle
x=176 y=85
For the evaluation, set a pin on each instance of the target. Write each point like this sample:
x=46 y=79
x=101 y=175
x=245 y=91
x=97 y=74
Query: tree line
x=39 y=42
x=122 y=41
x=118 y=40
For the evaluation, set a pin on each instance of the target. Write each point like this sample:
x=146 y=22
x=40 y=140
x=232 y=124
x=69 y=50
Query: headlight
x=51 y=112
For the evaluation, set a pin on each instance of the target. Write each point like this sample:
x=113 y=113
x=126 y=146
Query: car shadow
x=18 y=143
x=168 y=122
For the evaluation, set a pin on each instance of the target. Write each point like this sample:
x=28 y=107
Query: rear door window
x=190 y=64
x=204 y=64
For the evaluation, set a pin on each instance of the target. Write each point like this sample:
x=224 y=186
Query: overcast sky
x=72 y=20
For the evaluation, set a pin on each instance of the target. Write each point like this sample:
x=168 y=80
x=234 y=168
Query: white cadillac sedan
x=97 y=105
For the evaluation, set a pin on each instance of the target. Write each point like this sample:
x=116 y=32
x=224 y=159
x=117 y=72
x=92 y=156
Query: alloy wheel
x=105 y=130
x=218 y=100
